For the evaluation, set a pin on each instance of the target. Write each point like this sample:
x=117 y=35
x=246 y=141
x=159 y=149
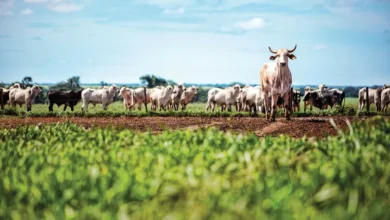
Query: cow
x=128 y=97
x=160 y=97
x=385 y=86
x=318 y=99
x=276 y=79
x=105 y=96
x=223 y=97
x=296 y=100
x=4 y=97
x=24 y=96
x=385 y=99
x=68 y=98
x=251 y=98
x=176 y=96
x=374 y=96
x=306 y=103
x=187 y=96
x=139 y=96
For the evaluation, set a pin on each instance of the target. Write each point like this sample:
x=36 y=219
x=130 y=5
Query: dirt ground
x=297 y=127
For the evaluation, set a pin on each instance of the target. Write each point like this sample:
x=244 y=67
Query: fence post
x=367 y=100
x=146 y=104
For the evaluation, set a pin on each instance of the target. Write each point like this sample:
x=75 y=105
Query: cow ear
x=292 y=56
x=272 y=57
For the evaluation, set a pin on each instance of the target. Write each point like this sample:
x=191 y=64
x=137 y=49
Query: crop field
x=65 y=171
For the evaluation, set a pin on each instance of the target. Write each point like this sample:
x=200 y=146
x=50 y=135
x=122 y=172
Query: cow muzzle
x=282 y=64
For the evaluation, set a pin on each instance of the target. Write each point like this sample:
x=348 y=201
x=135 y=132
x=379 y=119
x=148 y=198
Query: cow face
x=35 y=90
x=194 y=90
x=282 y=56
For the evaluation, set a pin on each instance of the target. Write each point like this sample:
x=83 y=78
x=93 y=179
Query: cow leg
x=72 y=108
x=266 y=103
x=65 y=107
x=274 y=107
x=287 y=107
x=51 y=107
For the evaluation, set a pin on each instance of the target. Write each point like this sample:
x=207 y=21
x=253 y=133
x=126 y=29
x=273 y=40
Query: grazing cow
x=139 y=97
x=385 y=99
x=128 y=97
x=160 y=97
x=68 y=98
x=318 y=99
x=24 y=96
x=105 y=96
x=187 y=96
x=176 y=96
x=276 y=79
x=374 y=96
x=223 y=97
x=296 y=100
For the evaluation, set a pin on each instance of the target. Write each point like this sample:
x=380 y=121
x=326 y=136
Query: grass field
x=193 y=109
x=67 y=172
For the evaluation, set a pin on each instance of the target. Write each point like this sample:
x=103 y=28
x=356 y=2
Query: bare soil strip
x=297 y=127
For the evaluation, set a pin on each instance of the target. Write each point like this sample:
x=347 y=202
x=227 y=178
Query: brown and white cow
x=276 y=79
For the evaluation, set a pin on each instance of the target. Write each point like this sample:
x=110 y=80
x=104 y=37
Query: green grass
x=116 y=109
x=66 y=172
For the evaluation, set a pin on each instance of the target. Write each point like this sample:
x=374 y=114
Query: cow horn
x=290 y=51
x=272 y=50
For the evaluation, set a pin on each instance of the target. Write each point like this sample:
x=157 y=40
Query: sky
x=339 y=42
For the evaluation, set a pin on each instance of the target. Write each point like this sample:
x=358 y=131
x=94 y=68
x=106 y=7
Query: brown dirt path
x=297 y=127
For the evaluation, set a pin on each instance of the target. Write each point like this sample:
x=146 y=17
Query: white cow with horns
x=276 y=79
x=105 y=96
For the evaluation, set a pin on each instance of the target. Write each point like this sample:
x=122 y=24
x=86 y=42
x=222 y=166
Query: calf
x=128 y=97
x=68 y=98
x=296 y=100
x=187 y=96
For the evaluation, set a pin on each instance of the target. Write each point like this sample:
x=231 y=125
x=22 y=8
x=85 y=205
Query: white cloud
x=5 y=7
x=63 y=6
x=66 y=7
x=180 y=10
x=252 y=24
x=320 y=47
x=26 y=11
x=165 y=3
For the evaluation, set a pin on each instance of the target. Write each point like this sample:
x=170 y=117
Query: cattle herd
x=274 y=91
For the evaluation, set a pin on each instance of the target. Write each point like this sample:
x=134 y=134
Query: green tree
x=152 y=81
x=27 y=81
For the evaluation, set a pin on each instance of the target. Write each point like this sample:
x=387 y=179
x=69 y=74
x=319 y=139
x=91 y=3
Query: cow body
x=226 y=98
x=24 y=96
x=128 y=97
x=318 y=99
x=385 y=99
x=139 y=97
x=374 y=97
x=104 y=96
x=187 y=96
x=276 y=80
x=161 y=97
x=68 y=98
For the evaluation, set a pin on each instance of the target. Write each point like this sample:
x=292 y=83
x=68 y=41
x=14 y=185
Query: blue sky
x=340 y=42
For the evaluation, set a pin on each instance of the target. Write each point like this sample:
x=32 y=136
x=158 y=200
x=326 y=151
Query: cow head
x=236 y=89
x=34 y=91
x=194 y=90
x=282 y=56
